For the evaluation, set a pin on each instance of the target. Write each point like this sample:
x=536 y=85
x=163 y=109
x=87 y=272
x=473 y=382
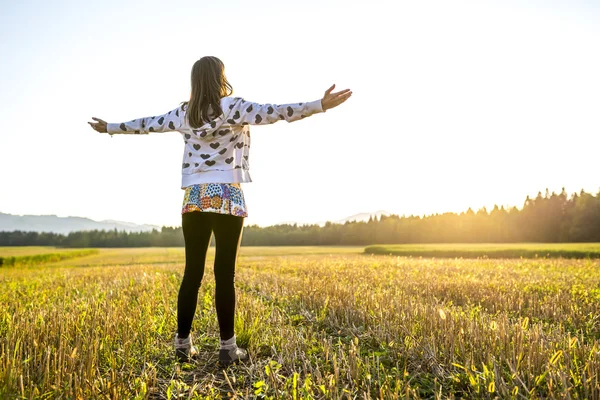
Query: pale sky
x=455 y=104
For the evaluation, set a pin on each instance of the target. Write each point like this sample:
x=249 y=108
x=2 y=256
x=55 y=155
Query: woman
x=215 y=129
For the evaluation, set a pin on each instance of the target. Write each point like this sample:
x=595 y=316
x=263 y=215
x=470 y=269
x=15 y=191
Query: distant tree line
x=546 y=218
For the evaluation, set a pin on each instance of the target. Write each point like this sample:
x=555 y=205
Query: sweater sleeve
x=168 y=122
x=246 y=112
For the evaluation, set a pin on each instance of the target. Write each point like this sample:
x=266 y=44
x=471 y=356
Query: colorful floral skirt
x=222 y=198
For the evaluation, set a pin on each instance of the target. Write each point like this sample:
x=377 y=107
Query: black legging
x=197 y=228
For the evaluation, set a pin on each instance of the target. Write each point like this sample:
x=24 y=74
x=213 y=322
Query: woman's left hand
x=99 y=126
x=331 y=100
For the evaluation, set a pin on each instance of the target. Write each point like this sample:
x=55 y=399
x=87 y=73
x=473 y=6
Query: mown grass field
x=318 y=322
x=490 y=250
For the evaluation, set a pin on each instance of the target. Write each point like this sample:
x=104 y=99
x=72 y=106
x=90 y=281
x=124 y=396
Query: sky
x=455 y=104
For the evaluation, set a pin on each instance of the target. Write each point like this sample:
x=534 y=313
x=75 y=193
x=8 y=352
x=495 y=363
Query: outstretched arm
x=171 y=121
x=245 y=112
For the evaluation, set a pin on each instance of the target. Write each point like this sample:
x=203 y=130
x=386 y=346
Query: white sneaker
x=230 y=352
x=228 y=356
x=185 y=349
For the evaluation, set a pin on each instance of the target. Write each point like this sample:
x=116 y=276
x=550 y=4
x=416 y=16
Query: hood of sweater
x=214 y=128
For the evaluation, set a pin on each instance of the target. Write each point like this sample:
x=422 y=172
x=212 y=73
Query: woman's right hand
x=331 y=100
x=99 y=125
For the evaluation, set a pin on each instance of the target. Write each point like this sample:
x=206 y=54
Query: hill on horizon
x=364 y=217
x=65 y=225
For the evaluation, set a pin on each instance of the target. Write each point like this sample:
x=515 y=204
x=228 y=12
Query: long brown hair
x=209 y=85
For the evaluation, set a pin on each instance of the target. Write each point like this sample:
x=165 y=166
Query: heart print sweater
x=218 y=151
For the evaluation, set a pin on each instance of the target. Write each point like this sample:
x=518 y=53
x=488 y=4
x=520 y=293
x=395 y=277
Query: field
x=319 y=322
x=486 y=250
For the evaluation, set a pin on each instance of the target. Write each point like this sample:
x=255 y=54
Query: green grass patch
x=6 y=251
x=36 y=259
x=490 y=250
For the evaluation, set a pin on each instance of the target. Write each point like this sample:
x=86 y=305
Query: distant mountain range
x=64 y=225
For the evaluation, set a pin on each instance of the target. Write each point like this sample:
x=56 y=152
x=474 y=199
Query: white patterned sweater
x=218 y=151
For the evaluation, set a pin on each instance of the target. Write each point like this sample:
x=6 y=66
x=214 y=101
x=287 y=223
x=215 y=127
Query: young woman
x=215 y=130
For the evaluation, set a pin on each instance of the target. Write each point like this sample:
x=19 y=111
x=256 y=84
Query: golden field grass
x=318 y=322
